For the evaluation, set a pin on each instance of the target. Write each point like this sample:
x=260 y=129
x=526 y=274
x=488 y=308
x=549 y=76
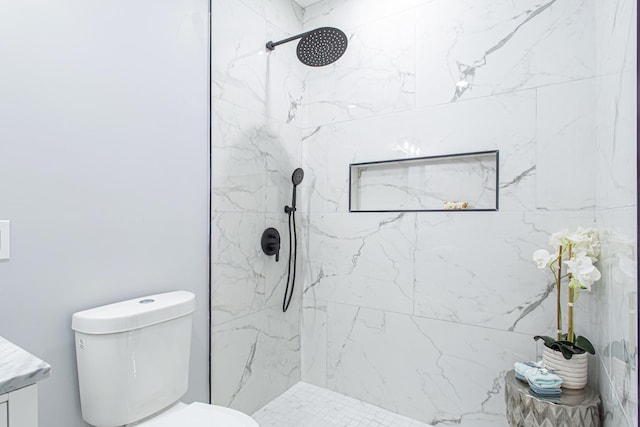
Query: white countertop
x=19 y=368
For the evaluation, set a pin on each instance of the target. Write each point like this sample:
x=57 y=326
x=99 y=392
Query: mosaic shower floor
x=306 y=405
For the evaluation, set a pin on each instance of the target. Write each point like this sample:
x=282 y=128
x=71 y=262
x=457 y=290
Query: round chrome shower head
x=322 y=46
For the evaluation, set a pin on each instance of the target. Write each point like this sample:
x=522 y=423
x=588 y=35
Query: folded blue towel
x=537 y=376
x=543 y=378
x=545 y=391
x=522 y=368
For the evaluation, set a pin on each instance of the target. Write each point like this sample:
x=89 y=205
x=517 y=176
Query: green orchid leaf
x=585 y=345
x=567 y=349
x=548 y=341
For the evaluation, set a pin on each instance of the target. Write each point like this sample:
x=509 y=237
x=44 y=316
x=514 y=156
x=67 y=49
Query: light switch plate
x=5 y=239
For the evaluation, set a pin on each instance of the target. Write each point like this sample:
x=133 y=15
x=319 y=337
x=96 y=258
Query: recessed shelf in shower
x=464 y=181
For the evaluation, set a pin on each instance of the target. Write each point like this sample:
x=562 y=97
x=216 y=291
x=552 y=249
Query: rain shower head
x=322 y=46
x=319 y=47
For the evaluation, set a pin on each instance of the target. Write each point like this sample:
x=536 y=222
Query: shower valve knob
x=270 y=242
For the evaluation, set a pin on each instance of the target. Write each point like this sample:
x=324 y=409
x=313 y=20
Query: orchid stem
x=570 y=307
x=558 y=303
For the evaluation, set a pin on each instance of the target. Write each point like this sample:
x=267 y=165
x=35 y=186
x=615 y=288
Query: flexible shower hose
x=293 y=250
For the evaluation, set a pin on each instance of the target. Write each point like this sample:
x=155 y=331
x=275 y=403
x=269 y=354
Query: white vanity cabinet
x=4 y=421
x=20 y=373
x=19 y=408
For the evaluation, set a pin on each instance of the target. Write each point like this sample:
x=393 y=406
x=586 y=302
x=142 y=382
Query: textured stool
x=572 y=408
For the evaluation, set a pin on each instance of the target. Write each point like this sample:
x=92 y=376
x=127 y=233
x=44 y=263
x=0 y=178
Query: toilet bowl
x=199 y=415
x=133 y=365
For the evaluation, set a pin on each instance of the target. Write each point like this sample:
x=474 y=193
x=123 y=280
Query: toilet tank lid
x=134 y=313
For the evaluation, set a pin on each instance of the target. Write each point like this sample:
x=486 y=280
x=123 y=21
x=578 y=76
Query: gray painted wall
x=103 y=171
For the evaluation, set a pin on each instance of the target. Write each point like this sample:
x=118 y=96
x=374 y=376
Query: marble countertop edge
x=19 y=368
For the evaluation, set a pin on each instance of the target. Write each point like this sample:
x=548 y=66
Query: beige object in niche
x=455 y=206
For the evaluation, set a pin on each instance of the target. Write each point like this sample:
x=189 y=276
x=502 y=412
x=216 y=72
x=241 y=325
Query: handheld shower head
x=297 y=176
x=296 y=179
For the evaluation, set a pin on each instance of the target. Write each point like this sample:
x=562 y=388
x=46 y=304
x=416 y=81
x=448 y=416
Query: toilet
x=133 y=365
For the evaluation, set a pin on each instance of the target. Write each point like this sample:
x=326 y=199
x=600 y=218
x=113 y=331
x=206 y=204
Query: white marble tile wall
x=255 y=147
x=565 y=144
x=416 y=366
x=469 y=49
x=243 y=72
x=615 y=320
x=617 y=325
x=255 y=358
x=428 y=52
x=395 y=306
x=375 y=76
x=476 y=269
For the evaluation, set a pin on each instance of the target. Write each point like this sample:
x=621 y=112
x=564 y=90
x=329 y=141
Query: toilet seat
x=203 y=415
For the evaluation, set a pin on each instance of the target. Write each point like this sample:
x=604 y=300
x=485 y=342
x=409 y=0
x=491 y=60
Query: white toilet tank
x=133 y=357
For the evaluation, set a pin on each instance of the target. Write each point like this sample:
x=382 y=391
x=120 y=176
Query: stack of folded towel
x=541 y=381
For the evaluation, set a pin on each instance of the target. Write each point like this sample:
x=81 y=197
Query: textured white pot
x=573 y=371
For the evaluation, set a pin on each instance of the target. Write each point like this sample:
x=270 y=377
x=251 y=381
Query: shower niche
x=460 y=182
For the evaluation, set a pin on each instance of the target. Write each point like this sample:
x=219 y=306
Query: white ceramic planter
x=573 y=371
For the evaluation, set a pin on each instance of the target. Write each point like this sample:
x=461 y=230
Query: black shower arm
x=272 y=45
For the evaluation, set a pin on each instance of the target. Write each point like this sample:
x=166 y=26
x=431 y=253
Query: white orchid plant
x=576 y=251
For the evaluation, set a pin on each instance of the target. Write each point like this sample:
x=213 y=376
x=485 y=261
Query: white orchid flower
x=578 y=253
x=579 y=237
x=586 y=239
x=583 y=270
x=593 y=249
x=543 y=258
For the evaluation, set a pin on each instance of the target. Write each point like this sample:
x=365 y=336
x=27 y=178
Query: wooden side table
x=572 y=408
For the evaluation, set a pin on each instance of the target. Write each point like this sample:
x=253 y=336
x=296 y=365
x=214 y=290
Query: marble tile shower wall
x=418 y=313
x=423 y=313
x=256 y=133
x=616 y=210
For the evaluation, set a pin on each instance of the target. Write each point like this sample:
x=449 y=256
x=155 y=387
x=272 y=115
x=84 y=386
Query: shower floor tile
x=306 y=405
